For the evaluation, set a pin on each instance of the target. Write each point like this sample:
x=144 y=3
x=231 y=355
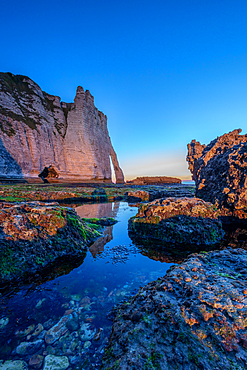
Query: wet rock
x=57 y=330
x=40 y=302
x=219 y=171
x=48 y=324
x=75 y=360
x=87 y=344
x=188 y=221
x=14 y=365
x=36 y=361
x=39 y=328
x=3 y=322
x=137 y=196
x=86 y=333
x=73 y=324
x=97 y=336
x=35 y=234
x=29 y=348
x=192 y=318
x=27 y=331
x=76 y=297
x=56 y=363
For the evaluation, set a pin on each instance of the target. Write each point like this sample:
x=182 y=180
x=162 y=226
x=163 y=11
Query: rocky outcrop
x=187 y=221
x=48 y=173
x=192 y=318
x=33 y=235
x=220 y=172
x=154 y=180
x=37 y=130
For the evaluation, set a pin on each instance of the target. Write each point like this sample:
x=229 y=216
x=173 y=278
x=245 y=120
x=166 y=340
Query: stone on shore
x=13 y=365
x=56 y=363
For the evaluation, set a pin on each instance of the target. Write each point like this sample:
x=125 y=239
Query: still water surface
x=113 y=269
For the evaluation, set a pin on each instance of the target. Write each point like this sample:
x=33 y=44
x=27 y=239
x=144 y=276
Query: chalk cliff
x=37 y=130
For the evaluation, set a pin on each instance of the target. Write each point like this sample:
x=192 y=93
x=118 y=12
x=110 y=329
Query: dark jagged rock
x=220 y=172
x=195 y=317
x=189 y=221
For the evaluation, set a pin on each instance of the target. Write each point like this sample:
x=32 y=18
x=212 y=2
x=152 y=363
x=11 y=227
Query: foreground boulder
x=178 y=221
x=34 y=234
x=220 y=172
x=195 y=317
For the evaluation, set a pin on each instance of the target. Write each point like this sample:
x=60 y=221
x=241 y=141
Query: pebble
x=87 y=344
x=29 y=348
x=56 y=363
x=3 y=322
x=40 y=302
x=86 y=332
x=36 y=361
x=14 y=365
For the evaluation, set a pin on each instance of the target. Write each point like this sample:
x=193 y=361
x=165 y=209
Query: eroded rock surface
x=37 y=130
x=195 y=317
x=178 y=221
x=220 y=172
x=35 y=234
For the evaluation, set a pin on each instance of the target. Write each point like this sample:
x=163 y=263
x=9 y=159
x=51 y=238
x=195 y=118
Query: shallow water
x=112 y=270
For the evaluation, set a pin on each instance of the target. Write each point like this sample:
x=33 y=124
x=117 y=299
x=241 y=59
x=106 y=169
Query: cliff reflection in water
x=98 y=210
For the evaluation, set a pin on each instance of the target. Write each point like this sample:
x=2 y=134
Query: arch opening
x=113 y=173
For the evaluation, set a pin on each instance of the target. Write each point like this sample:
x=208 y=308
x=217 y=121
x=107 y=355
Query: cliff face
x=220 y=171
x=38 y=130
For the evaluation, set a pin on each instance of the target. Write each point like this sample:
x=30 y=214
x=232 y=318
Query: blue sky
x=164 y=72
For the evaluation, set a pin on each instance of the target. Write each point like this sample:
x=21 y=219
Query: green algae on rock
x=34 y=234
x=178 y=221
x=195 y=317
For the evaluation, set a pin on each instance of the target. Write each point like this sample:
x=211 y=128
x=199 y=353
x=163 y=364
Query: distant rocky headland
x=154 y=180
x=37 y=130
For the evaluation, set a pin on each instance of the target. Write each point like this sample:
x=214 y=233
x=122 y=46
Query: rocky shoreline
x=195 y=317
x=33 y=235
x=91 y=192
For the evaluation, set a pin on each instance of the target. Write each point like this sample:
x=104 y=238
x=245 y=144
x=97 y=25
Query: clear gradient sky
x=164 y=72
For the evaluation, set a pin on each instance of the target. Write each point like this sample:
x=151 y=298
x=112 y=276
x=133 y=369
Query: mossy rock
x=35 y=234
x=188 y=221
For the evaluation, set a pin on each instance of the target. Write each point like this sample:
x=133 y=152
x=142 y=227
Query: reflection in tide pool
x=68 y=316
